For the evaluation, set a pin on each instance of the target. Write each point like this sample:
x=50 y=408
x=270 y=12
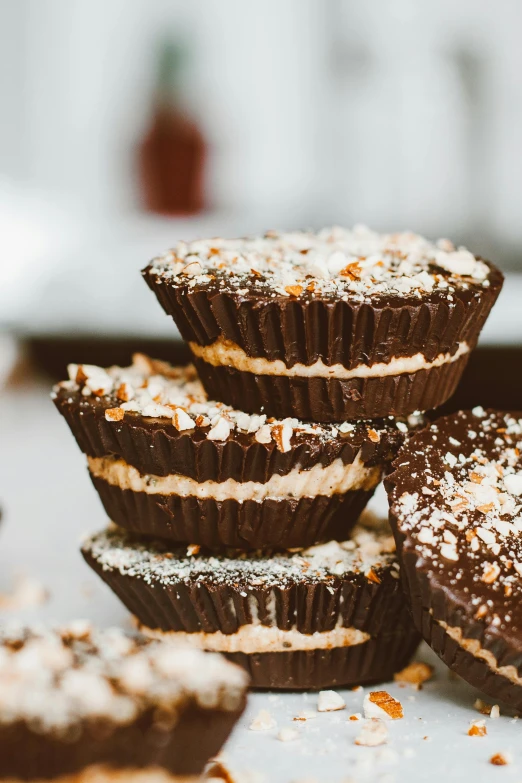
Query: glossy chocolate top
x=456 y=498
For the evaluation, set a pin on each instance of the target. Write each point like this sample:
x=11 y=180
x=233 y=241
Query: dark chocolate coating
x=208 y=601
x=306 y=329
x=154 y=446
x=270 y=524
x=205 y=602
x=183 y=749
x=452 y=591
x=376 y=660
x=329 y=399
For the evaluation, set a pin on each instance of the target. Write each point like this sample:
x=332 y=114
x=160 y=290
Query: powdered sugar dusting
x=355 y=264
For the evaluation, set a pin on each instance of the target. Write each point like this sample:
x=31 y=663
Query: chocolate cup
x=310 y=328
x=210 y=602
x=329 y=399
x=154 y=446
x=378 y=609
x=431 y=603
x=182 y=750
x=270 y=524
x=450 y=592
x=374 y=661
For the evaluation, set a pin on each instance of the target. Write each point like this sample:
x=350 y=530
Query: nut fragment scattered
x=495 y=711
x=477 y=728
x=306 y=715
x=374 y=732
x=482 y=707
x=329 y=701
x=263 y=722
x=499 y=759
x=379 y=704
x=287 y=734
x=417 y=673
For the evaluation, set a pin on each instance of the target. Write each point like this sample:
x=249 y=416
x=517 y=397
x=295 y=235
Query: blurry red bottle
x=172 y=154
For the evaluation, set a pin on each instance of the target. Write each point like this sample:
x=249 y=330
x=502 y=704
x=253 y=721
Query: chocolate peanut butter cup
x=83 y=705
x=456 y=510
x=328 y=326
x=328 y=615
x=169 y=463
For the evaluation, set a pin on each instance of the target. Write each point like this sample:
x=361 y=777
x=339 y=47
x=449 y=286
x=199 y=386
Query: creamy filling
x=228 y=354
x=336 y=478
x=256 y=638
x=474 y=647
x=105 y=774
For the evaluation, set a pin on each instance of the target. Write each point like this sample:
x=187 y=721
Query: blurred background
x=125 y=126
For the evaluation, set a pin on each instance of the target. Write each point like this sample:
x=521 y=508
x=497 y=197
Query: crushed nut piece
x=294 y=290
x=193 y=549
x=329 y=701
x=374 y=732
x=181 y=420
x=415 y=674
x=263 y=722
x=379 y=704
x=374 y=436
x=491 y=573
x=482 y=707
x=371 y=576
x=114 y=414
x=287 y=734
x=477 y=728
x=495 y=711
x=306 y=715
x=499 y=759
x=355 y=716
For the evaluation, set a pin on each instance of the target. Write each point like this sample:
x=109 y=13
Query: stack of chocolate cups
x=236 y=492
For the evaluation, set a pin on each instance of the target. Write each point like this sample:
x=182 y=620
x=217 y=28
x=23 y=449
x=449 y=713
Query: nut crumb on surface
x=374 y=732
x=355 y=716
x=495 y=711
x=477 y=728
x=288 y=734
x=263 y=721
x=306 y=715
x=330 y=701
x=417 y=673
x=499 y=759
x=482 y=707
x=379 y=704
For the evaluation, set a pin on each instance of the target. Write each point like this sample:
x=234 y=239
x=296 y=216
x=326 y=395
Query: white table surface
x=49 y=503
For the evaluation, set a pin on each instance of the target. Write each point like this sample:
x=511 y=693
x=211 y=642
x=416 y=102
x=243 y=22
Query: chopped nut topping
x=371 y=576
x=294 y=290
x=114 y=414
x=374 y=436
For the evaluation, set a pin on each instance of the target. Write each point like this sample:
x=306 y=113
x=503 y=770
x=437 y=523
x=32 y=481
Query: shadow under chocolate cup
x=197 y=472
x=113 y=708
x=455 y=509
x=329 y=615
x=388 y=337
